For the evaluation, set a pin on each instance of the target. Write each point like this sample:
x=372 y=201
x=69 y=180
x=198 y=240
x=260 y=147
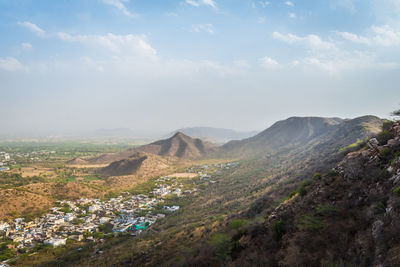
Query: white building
x=55 y=242
x=104 y=220
x=18 y=220
x=4 y=226
x=94 y=208
x=172 y=208
x=69 y=217
x=59 y=221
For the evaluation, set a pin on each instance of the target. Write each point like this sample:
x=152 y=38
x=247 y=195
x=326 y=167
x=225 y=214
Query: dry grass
x=34 y=171
x=183 y=175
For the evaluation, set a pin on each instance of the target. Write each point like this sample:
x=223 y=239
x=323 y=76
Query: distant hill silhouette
x=179 y=145
x=215 y=135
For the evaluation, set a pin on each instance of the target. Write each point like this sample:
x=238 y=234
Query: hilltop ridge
x=304 y=131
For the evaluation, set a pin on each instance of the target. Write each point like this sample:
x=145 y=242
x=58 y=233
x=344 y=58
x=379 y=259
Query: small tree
x=396 y=113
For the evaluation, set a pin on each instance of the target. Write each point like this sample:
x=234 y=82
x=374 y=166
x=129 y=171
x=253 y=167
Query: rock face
x=348 y=217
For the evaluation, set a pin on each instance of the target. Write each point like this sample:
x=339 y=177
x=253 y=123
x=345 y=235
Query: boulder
x=373 y=143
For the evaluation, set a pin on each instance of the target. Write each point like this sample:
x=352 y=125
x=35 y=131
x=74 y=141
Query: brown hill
x=77 y=161
x=138 y=163
x=179 y=145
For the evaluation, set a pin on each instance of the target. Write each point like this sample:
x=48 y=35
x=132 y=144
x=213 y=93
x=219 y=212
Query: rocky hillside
x=179 y=145
x=347 y=217
x=304 y=133
x=133 y=164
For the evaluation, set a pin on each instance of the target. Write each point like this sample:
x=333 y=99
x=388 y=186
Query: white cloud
x=260 y=20
x=386 y=36
x=313 y=41
x=208 y=28
x=346 y=61
x=269 y=63
x=124 y=45
x=33 y=28
x=26 y=46
x=292 y=15
x=10 y=64
x=197 y=3
x=354 y=37
x=120 y=6
x=289 y=3
x=378 y=35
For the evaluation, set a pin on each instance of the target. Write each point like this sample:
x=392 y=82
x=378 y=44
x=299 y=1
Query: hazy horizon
x=157 y=66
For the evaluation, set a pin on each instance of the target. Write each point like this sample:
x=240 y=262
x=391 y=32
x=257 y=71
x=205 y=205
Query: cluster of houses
x=8 y=159
x=83 y=218
x=89 y=219
x=202 y=169
x=169 y=185
x=4 y=161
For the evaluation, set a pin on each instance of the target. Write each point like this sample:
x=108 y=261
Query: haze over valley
x=200 y=133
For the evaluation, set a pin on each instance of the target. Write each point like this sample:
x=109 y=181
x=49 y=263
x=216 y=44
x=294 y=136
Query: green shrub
x=292 y=194
x=98 y=235
x=310 y=223
x=106 y=228
x=278 y=227
x=332 y=173
x=326 y=210
x=302 y=190
x=380 y=207
x=387 y=124
x=353 y=145
x=396 y=191
x=238 y=223
x=222 y=244
x=7 y=254
x=385 y=152
x=317 y=176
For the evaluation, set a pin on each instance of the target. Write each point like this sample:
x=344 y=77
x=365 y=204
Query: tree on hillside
x=396 y=113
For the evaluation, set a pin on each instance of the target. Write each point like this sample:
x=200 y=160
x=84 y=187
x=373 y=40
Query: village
x=92 y=219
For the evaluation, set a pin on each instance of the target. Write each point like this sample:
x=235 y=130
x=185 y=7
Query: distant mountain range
x=293 y=136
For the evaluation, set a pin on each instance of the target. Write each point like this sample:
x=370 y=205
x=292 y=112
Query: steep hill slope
x=216 y=135
x=348 y=217
x=304 y=133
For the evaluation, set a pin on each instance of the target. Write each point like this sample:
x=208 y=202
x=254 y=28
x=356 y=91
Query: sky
x=158 y=65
